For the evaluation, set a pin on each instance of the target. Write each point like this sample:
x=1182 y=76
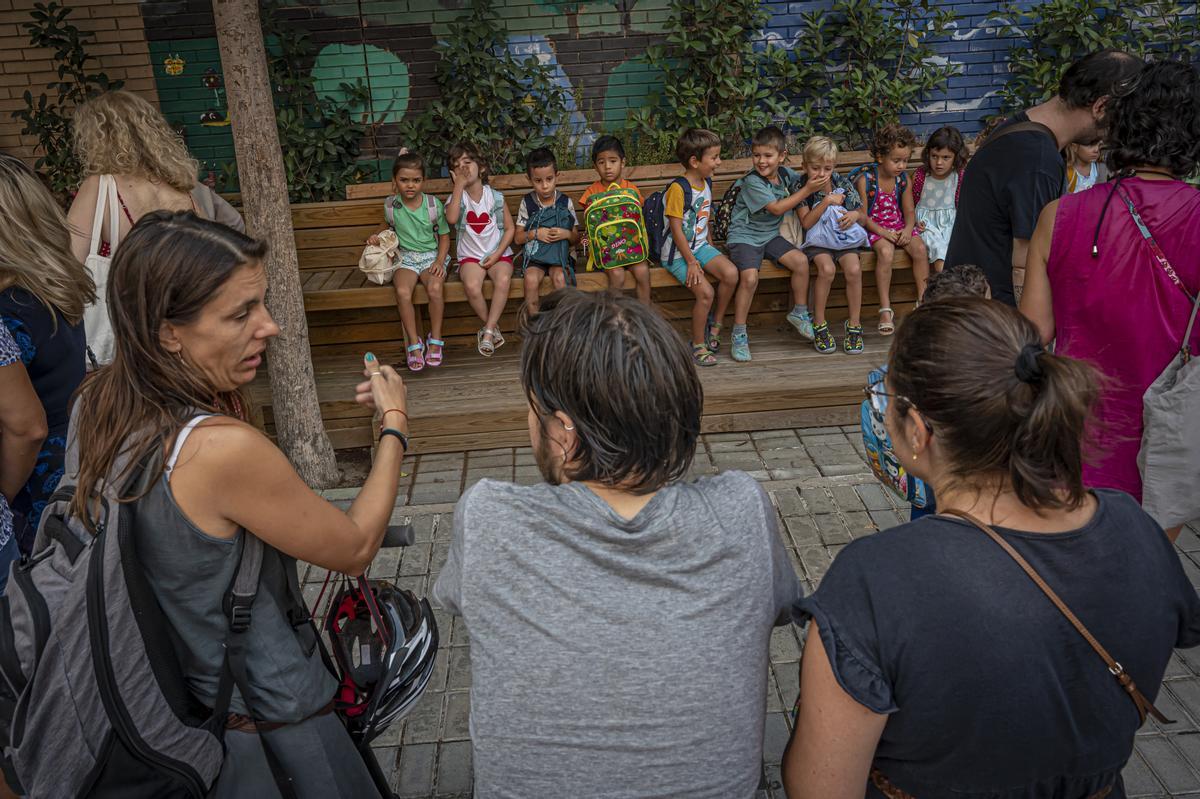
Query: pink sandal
x=432 y=357
x=416 y=356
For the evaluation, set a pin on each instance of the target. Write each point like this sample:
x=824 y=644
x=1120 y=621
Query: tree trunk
x=298 y=424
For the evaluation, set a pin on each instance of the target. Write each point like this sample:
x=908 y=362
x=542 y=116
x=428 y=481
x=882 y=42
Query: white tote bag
x=96 y=323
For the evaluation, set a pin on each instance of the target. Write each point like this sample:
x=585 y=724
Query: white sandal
x=889 y=327
x=497 y=338
x=486 y=348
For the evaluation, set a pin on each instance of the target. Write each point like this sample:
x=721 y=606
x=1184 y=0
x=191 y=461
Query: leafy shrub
x=320 y=136
x=487 y=96
x=716 y=75
x=869 y=62
x=48 y=118
x=1052 y=34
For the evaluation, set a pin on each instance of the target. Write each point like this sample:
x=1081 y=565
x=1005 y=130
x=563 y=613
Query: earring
x=568 y=428
x=914 y=457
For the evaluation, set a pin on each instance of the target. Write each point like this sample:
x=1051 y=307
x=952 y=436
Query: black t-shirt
x=989 y=690
x=1004 y=189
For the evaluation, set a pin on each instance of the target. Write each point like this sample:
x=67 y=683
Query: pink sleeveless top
x=1120 y=311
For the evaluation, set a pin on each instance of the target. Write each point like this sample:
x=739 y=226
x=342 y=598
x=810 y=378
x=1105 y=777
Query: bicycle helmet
x=384 y=642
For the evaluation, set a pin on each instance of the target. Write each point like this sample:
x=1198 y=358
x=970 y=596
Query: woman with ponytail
x=935 y=665
x=1113 y=270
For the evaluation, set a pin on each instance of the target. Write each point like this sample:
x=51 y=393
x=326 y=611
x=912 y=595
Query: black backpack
x=654 y=212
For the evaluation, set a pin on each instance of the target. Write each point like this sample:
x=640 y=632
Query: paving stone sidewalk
x=825 y=497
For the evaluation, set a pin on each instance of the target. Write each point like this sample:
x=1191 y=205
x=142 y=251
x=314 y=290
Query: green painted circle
x=344 y=63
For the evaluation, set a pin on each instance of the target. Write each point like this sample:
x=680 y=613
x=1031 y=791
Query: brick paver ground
x=825 y=496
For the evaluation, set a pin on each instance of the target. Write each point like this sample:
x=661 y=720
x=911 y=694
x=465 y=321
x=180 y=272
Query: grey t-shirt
x=614 y=657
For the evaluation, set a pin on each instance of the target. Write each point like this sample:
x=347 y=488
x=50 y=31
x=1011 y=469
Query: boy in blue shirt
x=767 y=195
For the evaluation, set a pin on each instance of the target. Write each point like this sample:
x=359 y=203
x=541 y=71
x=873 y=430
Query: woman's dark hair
x=632 y=392
x=956 y=360
x=890 y=136
x=607 y=144
x=1159 y=123
x=1104 y=73
x=947 y=138
x=167 y=269
x=471 y=151
x=408 y=160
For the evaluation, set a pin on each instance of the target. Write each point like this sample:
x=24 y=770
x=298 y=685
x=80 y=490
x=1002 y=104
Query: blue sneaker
x=740 y=348
x=802 y=323
x=823 y=340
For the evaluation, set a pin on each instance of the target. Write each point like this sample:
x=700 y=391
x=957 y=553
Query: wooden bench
x=348 y=315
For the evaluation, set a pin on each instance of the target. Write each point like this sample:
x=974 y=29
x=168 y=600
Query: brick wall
x=120 y=47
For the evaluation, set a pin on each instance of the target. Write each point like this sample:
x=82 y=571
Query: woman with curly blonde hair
x=43 y=294
x=133 y=163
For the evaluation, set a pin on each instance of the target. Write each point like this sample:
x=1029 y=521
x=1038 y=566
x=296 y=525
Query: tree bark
x=298 y=425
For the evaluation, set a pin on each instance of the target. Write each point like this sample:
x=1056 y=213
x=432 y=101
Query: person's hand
x=695 y=273
x=903 y=238
x=458 y=178
x=552 y=235
x=382 y=390
x=487 y=263
x=849 y=219
x=813 y=186
x=835 y=198
x=438 y=268
x=374 y=240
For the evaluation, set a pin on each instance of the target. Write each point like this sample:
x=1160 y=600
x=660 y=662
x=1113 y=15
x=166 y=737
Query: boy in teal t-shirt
x=767 y=195
x=423 y=235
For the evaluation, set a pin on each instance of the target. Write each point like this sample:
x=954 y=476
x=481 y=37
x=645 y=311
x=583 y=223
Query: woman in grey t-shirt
x=619 y=617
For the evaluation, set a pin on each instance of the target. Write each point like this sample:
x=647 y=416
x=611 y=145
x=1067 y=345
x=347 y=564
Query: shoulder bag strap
x=106 y=200
x=1018 y=127
x=1144 y=706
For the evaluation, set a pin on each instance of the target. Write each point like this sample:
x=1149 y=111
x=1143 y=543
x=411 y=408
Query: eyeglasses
x=878 y=396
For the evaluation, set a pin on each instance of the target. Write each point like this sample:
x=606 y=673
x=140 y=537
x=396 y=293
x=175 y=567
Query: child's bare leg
x=472 y=275
x=724 y=271
x=885 y=253
x=403 y=281
x=797 y=263
x=747 y=285
x=437 y=302
x=616 y=279
x=824 y=282
x=704 y=298
x=501 y=275
x=938 y=265
x=558 y=277
x=918 y=253
x=533 y=284
x=852 y=269
x=641 y=275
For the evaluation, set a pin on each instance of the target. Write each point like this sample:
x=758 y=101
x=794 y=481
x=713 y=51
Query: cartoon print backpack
x=555 y=253
x=719 y=229
x=882 y=457
x=871 y=173
x=616 y=231
x=656 y=218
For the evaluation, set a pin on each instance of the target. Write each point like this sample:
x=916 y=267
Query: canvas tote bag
x=1169 y=458
x=95 y=316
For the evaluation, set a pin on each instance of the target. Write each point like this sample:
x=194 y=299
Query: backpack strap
x=686 y=185
x=918 y=184
x=531 y=210
x=497 y=209
x=431 y=209
x=1028 y=126
x=389 y=209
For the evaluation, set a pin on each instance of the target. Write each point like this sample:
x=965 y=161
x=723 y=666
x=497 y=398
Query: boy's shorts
x=704 y=253
x=529 y=263
x=748 y=256
x=836 y=255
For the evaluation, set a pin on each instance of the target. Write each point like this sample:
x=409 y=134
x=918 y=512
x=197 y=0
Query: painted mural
x=592 y=47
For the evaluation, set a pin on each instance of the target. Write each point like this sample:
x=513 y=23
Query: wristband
x=391 y=431
x=383 y=416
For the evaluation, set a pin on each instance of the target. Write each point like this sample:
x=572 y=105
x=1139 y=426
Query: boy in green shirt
x=767 y=195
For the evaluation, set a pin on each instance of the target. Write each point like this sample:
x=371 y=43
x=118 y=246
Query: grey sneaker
x=802 y=323
x=740 y=348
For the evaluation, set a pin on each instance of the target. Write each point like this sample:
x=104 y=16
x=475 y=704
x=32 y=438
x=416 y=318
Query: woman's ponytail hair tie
x=1027 y=367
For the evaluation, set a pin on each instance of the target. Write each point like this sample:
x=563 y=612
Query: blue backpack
x=557 y=253
x=654 y=211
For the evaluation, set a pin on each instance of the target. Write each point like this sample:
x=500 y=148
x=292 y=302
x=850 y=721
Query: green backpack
x=616 y=232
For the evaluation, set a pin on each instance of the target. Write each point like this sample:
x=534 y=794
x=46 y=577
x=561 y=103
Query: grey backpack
x=102 y=707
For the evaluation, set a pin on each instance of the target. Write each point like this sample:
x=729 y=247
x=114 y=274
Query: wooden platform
x=476 y=403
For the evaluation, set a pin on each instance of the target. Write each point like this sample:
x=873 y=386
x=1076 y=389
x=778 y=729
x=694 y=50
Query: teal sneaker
x=740 y=347
x=854 y=339
x=802 y=323
x=823 y=339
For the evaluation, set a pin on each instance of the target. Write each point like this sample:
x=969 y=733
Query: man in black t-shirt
x=1019 y=169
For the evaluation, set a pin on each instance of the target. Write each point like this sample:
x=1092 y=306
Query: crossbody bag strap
x=1161 y=258
x=1144 y=706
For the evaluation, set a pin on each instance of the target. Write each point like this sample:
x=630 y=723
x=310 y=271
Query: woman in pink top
x=1100 y=288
